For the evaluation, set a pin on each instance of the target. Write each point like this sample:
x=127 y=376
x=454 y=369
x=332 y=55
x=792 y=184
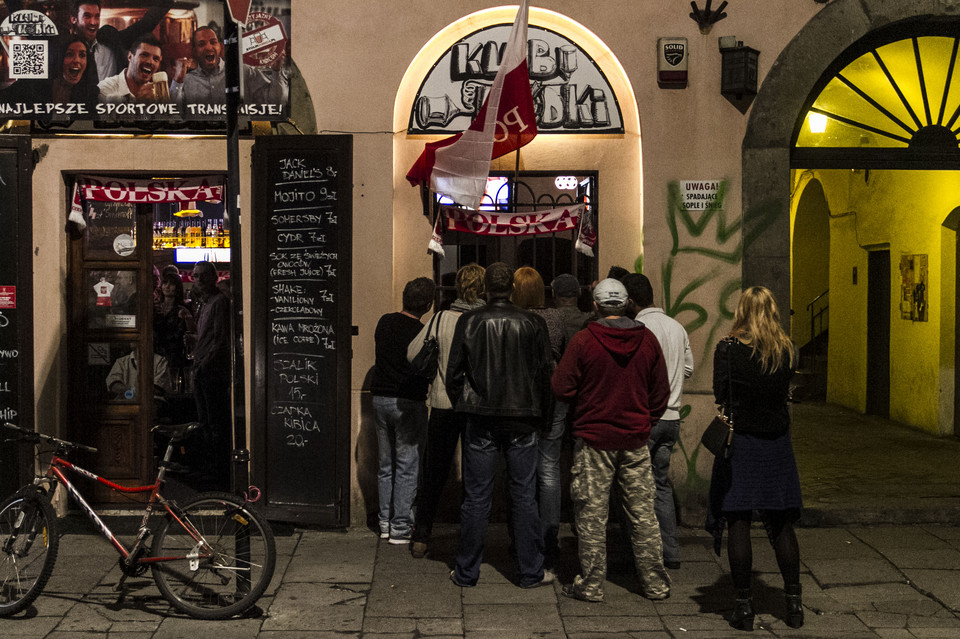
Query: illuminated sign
x=570 y=93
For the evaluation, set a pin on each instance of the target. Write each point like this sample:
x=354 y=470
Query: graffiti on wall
x=570 y=93
x=705 y=239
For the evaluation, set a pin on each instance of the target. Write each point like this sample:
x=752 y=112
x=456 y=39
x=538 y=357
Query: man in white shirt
x=663 y=435
x=108 y=44
x=135 y=83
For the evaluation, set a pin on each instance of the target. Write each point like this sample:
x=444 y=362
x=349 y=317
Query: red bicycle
x=211 y=558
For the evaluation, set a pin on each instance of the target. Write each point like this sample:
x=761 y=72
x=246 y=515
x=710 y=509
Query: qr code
x=28 y=60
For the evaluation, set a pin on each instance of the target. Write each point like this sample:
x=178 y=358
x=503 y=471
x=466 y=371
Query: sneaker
x=672 y=565
x=569 y=591
x=548 y=579
x=418 y=550
x=453 y=578
x=657 y=597
x=384 y=535
x=399 y=541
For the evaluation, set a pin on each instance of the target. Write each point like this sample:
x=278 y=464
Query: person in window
x=122 y=379
x=212 y=374
x=752 y=368
x=172 y=322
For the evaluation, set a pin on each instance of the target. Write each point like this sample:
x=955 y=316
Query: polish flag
x=458 y=166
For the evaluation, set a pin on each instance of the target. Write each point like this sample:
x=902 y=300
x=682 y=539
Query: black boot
x=742 y=617
x=794 y=606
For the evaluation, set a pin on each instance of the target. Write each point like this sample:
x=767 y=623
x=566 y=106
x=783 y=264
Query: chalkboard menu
x=16 y=304
x=302 y=345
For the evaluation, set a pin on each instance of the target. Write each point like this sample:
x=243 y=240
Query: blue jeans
x=548 y=483
x=663 y=435
x=401 y=424
x=485 y=440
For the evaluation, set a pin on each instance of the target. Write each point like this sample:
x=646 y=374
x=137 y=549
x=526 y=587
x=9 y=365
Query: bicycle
x=211 y=558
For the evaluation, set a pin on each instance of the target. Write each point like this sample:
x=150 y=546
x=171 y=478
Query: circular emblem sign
x=123 y=245
x=264 y=40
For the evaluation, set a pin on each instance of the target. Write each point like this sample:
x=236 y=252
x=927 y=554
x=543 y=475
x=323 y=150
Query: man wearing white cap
x=616 y=372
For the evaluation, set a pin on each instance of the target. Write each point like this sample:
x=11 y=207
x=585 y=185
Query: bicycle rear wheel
x=217 y=557
x=28 y=550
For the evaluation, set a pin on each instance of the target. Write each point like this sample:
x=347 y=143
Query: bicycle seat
x=176 y=432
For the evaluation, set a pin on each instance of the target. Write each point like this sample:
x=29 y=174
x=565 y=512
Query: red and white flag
x=458 y=166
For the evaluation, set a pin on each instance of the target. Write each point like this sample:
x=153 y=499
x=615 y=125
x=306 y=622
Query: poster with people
x=122 y=60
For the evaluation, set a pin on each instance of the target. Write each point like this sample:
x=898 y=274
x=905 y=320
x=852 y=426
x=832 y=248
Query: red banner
x=493 y=223
x=105 y=189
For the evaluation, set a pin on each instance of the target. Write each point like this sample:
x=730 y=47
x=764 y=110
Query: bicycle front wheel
x=28 y=550
x=215 y=557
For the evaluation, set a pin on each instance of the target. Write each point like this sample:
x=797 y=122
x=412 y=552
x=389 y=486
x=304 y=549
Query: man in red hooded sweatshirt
x=615 y=375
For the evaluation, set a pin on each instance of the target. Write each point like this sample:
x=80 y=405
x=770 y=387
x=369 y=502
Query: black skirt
x=760 y=473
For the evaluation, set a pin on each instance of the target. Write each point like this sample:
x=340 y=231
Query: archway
x=779 y=103
x=616 y=158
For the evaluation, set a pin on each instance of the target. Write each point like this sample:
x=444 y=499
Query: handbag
x=719 y=433
x=427 y=360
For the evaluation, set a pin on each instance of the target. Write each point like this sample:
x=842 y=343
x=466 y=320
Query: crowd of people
x=515 y=375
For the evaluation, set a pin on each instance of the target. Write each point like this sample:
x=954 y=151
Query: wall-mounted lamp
x=738 y=77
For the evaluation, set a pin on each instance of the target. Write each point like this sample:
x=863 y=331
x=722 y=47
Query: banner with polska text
x=119 y=61
x=556 y=220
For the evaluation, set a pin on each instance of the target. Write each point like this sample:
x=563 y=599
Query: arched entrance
x=867 y=167
x=614 y=158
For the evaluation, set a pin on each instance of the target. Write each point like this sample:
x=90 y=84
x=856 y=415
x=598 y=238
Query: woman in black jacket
x=752 y=368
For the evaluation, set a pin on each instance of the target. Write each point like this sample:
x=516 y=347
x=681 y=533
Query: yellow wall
x=809 y=256
x=902 y=211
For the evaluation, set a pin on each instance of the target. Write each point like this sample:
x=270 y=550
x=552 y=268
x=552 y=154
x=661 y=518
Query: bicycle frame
x=55 y=473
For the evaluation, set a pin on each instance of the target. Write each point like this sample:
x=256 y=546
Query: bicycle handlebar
x=35 y=437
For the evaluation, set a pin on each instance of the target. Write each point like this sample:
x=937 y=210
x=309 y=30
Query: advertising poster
x=129 y=60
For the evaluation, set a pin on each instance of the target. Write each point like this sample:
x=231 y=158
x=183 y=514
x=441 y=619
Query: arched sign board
x=302 y=241
x=16 y=306
x=570 y=92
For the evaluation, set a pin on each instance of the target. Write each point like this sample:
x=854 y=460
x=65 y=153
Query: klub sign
x=570 y=93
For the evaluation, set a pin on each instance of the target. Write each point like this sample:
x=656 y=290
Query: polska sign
x=570 y=92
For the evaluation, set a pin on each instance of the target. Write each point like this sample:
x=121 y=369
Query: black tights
x=782 y=538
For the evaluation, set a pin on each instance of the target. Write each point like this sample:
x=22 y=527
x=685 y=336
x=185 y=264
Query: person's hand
x=179 y=70
x=146 y=93
x=280 y=62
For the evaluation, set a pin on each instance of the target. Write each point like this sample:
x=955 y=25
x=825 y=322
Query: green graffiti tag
x=690 y=232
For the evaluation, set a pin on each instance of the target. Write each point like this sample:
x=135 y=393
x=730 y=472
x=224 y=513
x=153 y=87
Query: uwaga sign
x=570 y=93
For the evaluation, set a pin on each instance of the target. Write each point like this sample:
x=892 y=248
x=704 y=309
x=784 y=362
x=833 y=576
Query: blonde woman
x=752 y=368
x=445 y=427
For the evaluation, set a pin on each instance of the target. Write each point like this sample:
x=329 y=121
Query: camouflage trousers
x=592 y=476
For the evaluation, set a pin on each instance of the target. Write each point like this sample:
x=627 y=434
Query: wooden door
x=110 y=336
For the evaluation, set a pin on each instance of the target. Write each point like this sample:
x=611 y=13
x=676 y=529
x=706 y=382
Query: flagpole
x=516 y=181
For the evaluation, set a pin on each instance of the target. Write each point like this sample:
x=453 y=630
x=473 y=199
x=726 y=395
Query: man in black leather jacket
x=498 y=374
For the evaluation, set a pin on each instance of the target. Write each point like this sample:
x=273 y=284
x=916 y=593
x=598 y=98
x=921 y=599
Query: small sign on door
x=8 y=297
